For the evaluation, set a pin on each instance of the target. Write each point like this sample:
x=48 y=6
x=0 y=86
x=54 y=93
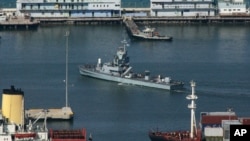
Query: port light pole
x=66 y=79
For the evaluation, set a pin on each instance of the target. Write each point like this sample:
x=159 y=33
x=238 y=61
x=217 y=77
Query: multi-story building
x=232 y=8
x=69 y=8
x=182 y=8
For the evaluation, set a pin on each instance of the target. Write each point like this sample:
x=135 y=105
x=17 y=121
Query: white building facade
x=232 y=8
x=161 y=8
x=69 y=8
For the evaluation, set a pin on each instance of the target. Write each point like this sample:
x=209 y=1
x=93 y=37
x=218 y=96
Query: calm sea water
x=215 y=56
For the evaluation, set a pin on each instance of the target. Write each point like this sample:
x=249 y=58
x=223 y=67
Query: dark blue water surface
x=215 y=56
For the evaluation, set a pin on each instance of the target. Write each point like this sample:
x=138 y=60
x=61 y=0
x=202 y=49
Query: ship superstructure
x=15 y=127
x=214 y=126
x=120 y=71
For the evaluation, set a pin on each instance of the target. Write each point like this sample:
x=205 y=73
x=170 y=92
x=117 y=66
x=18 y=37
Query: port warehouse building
x=115 y=8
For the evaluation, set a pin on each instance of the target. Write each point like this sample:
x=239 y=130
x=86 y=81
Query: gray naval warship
x=120 y=71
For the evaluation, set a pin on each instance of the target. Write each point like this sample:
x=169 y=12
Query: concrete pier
x=22 y=23
x=65 y=113
x=193 y=20
x=131 y=27
x=146 y=20
x=18 y=23
x=83 y=20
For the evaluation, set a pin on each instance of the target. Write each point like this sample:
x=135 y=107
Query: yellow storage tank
x=13 y=105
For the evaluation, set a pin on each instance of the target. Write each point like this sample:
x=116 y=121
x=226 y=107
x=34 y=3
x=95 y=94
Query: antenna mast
x=192 y=106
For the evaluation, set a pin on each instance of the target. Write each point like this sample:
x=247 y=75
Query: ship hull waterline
x=152 y=38
x=93 y=74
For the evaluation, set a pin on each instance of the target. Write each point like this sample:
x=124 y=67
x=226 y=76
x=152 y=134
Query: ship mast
x=124 y=42
x=192 y=106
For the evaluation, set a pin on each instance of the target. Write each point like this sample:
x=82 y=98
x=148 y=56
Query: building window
x=23 y=6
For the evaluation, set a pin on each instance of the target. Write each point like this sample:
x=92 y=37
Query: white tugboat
x=120 y=71
x=150 y=34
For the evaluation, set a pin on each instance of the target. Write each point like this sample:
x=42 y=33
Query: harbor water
x=215 y=56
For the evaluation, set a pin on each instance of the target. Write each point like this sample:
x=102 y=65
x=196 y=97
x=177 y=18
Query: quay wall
x=146 y=20
x=18 y=23
x=35 y=22
x=115 y=20
x=192 y=20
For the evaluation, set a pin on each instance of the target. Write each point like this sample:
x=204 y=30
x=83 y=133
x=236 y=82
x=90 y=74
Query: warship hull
x=131 y=81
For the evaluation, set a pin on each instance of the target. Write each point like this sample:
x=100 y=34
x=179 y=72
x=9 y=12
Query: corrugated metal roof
x=219 y=113
x=216 y=119
x=245 y=120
